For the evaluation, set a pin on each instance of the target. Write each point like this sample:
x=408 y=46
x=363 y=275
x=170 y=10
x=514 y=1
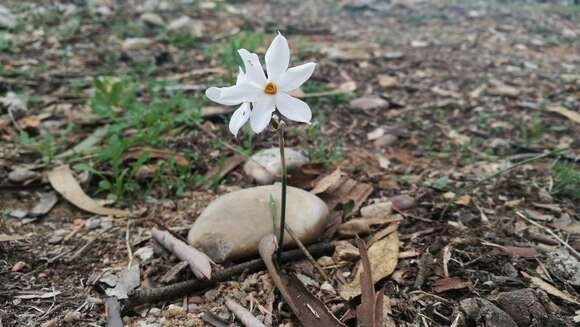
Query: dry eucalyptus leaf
x=383 y=256
x=550 y=289
x=572 y=115
x=63 y=181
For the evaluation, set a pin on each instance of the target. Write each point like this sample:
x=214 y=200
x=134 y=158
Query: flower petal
x=262 y=113
x=233 y=95
x=293 y=108
x=254 y=71
x=277 y=57
x=239 y=118
x=241 y=77
x=294 y=77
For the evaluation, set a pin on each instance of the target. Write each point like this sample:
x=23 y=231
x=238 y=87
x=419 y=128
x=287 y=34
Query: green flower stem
x=283 y=197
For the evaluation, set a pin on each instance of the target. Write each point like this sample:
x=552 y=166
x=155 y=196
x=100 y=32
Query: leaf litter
x=444 y=125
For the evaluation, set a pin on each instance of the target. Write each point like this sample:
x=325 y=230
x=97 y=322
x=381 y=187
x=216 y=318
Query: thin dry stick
x=174 y=291
x=494 y=175
x=128 y=243
x=307 y=254
x=523 y=216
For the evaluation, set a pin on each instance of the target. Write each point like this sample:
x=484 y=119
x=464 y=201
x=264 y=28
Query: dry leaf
x=8 y=238
x=464 y=200
x=447 y=284
x=550 y=289
x=308 y=309
x=383 y=256
x=328 y=183
x=366 y=312
x=63 y=181
x=572 y=115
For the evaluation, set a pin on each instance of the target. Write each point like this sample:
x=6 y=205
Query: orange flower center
x=270 y=88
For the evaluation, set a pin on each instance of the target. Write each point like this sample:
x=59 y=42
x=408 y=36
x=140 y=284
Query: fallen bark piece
x=113 y=312
x=198 y=261
x=484 y=313
x=383 y=255
x=348 y=190
x=63 y=181
x=447 y=284
x=523 y=306
x=307 y=308
x=243 y=314
x=564 y=267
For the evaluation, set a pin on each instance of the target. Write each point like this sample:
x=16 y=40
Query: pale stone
x=188 y=25
x=369 y=103
x=264 y=166
x=232 y=226
x=7 y=18
x=135 y=44
x=21 y=175
x=377 y=210
x=385 y=141
x=153 y=19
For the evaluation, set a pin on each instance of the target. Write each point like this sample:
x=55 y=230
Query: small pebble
x=212 y=295
x=325 y=261
x=72 y=316
x=18 y=213
x=155 y=312
x=50 y=323
x=145 y=253
x=385 y=141
x=93 y=223
x=174 y=311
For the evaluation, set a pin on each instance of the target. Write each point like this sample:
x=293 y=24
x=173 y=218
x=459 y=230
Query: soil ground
x=461 y=89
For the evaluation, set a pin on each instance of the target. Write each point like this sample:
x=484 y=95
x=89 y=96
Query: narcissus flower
x=261 y=95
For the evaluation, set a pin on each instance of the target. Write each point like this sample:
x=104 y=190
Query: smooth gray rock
x=232 y=226
x=264 y=166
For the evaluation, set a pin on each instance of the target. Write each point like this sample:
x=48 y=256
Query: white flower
x=266 y=94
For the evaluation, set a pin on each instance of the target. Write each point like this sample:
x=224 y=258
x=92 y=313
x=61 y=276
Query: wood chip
x=328 y=183
x=63 y=181
x=447 y=284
